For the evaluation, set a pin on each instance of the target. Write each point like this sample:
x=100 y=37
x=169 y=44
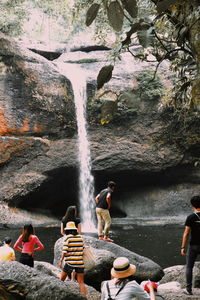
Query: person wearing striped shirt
x=72 y=254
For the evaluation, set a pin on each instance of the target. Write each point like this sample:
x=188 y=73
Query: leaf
x=164 y=5
x=105 y=74
x=115 y=15
x=185 y=86
x=92 y=13
x=182 y=35
x=131 y=7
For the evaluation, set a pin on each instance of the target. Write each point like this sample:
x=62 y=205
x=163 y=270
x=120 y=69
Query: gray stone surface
x=105 y=253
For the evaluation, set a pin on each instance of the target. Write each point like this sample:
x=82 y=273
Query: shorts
x=26 y=259
x=68 y=269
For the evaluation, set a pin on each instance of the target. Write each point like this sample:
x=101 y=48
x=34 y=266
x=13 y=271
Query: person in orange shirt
x=6 y=251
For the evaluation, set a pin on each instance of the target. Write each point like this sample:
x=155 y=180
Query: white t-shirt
x=132 y=289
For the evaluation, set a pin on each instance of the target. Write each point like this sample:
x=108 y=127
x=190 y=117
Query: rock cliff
x=151 y=151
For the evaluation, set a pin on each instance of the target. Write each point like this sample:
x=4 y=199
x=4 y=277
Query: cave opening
x=60 y=190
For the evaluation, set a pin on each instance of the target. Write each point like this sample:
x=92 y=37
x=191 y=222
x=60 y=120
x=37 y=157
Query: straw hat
x=122 y=268
x=70 y=226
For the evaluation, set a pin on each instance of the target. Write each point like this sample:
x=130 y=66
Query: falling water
x=86 y=180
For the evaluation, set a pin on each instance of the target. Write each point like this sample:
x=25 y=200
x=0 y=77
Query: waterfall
x=86 y=180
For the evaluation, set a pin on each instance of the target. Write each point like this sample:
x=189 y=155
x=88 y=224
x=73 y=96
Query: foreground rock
x=42 y=284
x=173 y=283
x=105 y=253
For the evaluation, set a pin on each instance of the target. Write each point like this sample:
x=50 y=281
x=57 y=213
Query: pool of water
x=160 y=243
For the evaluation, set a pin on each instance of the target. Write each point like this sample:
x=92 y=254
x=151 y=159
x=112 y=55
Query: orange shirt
x=6 y=253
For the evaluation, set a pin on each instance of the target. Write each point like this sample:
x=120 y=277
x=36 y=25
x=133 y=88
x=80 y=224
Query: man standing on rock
x=192 y=227
x=103 y=200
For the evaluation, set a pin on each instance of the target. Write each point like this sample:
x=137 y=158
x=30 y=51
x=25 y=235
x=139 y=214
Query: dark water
x=161 y=243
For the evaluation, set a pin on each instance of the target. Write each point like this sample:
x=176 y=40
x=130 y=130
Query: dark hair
x=70 y=214
x=126 y=279
x=195 y=201
x=111 y=184
x=7 y=240
x=26 y=232
x=71 y=231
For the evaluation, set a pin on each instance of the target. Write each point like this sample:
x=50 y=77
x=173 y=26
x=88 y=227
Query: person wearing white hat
x=72 y=254
x=122 y=286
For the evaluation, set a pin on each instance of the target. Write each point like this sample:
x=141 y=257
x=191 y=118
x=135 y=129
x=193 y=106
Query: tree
x=168 y=29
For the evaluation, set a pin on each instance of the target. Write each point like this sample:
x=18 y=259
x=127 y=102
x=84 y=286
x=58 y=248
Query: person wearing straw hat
x=72 y=254
x=122 y=286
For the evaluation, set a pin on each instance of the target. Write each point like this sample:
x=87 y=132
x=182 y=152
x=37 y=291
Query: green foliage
x=82 y=61
x=105 y=74
x=150 y=86
x=13 y=14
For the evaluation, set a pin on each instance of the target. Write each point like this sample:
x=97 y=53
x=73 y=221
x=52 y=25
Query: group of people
x=122 y=285
x=27 y=244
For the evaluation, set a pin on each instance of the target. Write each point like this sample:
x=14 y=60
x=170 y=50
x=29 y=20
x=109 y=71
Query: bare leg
x=63 y=276
x=80 y=279
x=73 y=276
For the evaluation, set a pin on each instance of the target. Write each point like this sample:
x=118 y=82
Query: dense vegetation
x=166 y=29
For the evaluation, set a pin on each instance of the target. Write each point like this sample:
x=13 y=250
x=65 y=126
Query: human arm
x=79 y=228
x=97 y=198
x=12 y=254
x=17 y=243
x=61 y=260
x=151 y=291
x=185 y=239
x=108 y=200
x=39 y=244
x=62 y=229
x=103 y=290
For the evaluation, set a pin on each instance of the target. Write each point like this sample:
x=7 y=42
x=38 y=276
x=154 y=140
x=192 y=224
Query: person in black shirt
x=103 y=200
x=70 y=216
x=192 y=227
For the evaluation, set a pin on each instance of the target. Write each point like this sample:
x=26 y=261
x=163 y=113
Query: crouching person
x=72 y=254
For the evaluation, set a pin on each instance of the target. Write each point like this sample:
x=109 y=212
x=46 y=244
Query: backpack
x=108 y=289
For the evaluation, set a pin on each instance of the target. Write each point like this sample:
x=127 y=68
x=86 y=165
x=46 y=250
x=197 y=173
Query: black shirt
x=102 y=203
x=193 y=221
x=76 y=221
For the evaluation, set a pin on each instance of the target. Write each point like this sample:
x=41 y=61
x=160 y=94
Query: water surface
x=160 y=243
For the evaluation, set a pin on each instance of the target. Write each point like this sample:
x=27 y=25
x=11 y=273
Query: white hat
x=122 y=268
x=70 y=226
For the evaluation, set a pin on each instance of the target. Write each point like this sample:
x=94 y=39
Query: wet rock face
x=35 y=98
x=151 y=154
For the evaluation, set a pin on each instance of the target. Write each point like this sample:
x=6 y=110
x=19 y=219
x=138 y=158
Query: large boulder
x=104 y=254
x=43 y=284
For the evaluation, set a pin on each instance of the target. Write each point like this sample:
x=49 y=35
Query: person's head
x=26 y=232
x=122 y=269
x=71 y=213
x=195 y=201
x=70 y=228
x=111 y=185
x=7 y=240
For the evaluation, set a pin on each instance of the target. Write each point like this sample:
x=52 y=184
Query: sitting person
x=6 y=251
x=122 y=286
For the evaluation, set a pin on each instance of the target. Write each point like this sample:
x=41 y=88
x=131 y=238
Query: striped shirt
x=73 y=249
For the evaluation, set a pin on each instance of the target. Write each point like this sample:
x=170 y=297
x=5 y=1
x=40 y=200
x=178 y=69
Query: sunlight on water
x=86 y=180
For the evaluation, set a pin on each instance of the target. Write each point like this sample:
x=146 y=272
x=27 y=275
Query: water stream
x=86 y=180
